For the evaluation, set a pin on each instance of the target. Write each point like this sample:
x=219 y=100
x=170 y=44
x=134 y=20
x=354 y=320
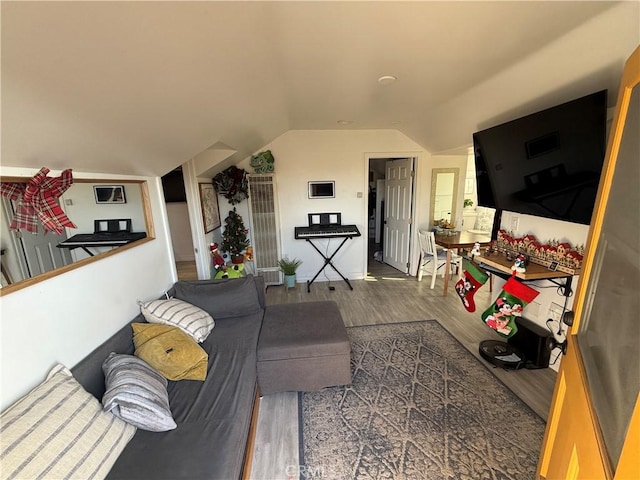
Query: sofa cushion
x=190 y=318
x=58 y=430
x=170 y=351
x=222 y=299
x=136 y=393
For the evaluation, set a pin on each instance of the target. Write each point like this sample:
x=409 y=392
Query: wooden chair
x=432 y=257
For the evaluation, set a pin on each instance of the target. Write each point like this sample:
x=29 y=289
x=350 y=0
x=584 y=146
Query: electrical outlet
x=515 y=223
x=555 y=312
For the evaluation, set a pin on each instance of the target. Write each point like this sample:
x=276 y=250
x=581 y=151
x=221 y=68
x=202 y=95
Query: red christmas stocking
x=502 y=314
x=473 y=278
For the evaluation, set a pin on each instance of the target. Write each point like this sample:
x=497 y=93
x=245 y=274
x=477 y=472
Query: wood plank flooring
x=385 y=296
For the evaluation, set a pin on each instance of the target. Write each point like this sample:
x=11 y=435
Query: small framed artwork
x=322 y=189
x=109 y=194
x=209 y=202
x=553 y=266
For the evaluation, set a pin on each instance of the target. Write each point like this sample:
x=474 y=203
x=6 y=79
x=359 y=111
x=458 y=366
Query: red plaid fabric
x=37 y=202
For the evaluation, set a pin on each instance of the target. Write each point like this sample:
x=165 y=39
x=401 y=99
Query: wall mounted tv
x=546 y=164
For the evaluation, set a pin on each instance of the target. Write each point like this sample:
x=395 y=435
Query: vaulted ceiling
x=141 y=87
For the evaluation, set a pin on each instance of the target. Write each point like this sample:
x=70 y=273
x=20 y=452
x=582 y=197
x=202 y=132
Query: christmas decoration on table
x=520 y=264
x=568 y=258
x=444 y=227
x=37 y=202
x=234 y=237
x=475 y=251
x=500 y=316
x=232 y=184
x=263 y=162
x=472 y=279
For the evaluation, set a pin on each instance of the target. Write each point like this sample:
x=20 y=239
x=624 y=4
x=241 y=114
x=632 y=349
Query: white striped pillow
x=58 y=430
x=189 y=318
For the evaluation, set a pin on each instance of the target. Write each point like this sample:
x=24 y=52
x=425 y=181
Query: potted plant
x=289 y=268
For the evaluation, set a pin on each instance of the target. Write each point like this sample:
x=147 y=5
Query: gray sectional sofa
x=200 y=426
x=213 y=417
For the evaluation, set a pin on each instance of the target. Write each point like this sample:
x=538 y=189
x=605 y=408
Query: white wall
x=545 y=229
x=305 y=155
x=83 y=210
x=64 y=318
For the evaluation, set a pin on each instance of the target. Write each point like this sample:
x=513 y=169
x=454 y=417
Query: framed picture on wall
x=109 y=194
x=209 y=202
x=325 y=189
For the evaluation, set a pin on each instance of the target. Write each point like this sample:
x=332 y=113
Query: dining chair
x=432 y=257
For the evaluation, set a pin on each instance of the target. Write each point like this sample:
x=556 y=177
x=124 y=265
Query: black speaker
x=534 y=341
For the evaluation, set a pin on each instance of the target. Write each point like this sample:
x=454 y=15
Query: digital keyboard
x=101 y=239
x=326 y=231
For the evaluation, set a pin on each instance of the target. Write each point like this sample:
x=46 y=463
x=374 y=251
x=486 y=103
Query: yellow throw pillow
x=170 y=351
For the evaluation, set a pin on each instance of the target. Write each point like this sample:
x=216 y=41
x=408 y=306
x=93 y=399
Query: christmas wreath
x=232 y=184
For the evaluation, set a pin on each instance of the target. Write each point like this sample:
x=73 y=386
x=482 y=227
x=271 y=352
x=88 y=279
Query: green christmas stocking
x=502 y=314
x=473 y=278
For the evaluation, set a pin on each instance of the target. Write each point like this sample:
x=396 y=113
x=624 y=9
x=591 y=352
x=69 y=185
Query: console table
x=500 y=266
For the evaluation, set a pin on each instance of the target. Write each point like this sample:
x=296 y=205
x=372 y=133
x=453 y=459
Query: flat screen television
x=546 y=164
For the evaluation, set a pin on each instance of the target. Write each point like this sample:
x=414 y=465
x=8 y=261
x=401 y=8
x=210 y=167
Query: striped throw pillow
x=136 y=393
x=189 y=318
x=59 y=430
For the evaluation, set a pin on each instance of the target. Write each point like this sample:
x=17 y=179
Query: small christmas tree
x=234 y=237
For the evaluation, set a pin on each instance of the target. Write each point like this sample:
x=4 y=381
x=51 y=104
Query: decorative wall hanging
x=209 y=202
x=263 y=162
x=36 y=201
x=554 y=255
x=109 y=194
x=232 y=184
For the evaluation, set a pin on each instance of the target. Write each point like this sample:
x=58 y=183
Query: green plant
x=468 y=203
x=289 y=267
x=234 y=237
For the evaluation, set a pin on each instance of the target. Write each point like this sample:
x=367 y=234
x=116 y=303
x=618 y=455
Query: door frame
x=418 y=210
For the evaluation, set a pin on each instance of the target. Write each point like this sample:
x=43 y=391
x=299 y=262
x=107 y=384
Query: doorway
x=389 y=214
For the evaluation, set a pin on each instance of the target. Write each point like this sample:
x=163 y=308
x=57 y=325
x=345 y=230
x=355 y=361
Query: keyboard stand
x=327 y=261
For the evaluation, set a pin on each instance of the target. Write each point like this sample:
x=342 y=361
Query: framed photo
x=322 y=189
x=209 y=202
x=109 y=194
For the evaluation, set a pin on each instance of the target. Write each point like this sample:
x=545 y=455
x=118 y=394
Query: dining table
x=458 y=240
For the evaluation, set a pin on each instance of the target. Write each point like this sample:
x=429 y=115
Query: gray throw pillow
x=228 y=298
x=136 y=393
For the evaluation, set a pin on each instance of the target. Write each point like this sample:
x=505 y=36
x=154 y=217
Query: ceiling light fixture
x=345 y=122
x=387 y=79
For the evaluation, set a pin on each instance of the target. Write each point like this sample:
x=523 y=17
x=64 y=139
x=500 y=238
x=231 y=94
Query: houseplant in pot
x=289 y=268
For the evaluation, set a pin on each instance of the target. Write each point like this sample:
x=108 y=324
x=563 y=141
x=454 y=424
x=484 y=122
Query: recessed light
x=396 y=122
x=345 y=122
x=387 y=79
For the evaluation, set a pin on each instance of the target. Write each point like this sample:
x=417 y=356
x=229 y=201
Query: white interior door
x=397 y=215
x=35 y=254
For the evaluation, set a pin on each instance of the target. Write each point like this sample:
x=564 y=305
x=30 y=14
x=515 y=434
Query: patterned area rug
x=420 y=407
